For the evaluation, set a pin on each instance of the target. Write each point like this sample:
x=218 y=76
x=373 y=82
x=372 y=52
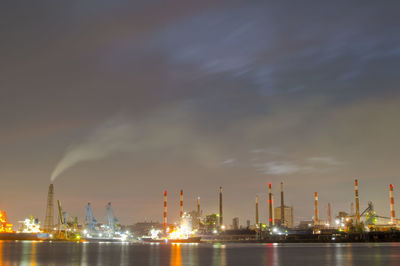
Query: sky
x=124 y=99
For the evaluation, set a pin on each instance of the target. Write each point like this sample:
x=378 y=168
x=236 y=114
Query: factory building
x=288 y=216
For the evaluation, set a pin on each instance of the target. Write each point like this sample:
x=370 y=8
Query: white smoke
x=115 y=135
x=165 y=131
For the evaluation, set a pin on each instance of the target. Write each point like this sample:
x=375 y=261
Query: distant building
x=289 y=216
x=235 y=223
x=210 y=223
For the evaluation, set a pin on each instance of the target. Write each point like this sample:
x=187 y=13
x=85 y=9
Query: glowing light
x=5 y=227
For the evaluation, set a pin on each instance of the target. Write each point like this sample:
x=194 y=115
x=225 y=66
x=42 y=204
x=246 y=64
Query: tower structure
x=49 y=218
x=221 y=220
x=270 y=205
x=181 y=205
x=165 y=210
x=329 y=215
x=198 y=207
x=257 y=222
x=282 y=207
x=316 y=218
x=357 y=202
x=392 y=214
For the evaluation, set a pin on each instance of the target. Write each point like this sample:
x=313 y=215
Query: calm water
x=60 y=253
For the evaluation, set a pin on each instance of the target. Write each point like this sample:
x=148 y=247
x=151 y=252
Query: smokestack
x=282 y=207
x=351 y=208
x=392 y=214
x=270 y=205
x=357 y=202
x=257 y=224
x=49 y=218
x=221 y=220
x=198 y=207
x=165 y=210
x=316 y=218
x=329 y=215
x=181 y=205
x=273 y=213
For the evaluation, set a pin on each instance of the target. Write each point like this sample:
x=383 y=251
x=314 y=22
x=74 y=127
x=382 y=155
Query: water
x=64 y=253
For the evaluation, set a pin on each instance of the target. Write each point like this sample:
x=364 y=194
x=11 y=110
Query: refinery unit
x=193 y=226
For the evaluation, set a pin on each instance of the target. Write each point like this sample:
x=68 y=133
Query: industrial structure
x=392 y=213
x=316 y=212
x=270 y=208
x=257 y=224
x=357 y=202
x=165 y=210
x=221 y=219
x=49 y=218
x=282 y=216
x=181 y=205
x=288 y=212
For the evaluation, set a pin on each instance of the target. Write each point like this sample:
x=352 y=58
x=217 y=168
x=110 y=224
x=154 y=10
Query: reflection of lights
x=215 y=231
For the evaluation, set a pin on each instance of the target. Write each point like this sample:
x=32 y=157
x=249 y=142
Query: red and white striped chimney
x=316 y=218
x=392 y=214
x=181 y=205
x=165 y=210
x=270 y=205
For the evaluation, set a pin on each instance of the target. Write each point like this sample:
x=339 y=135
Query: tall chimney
x=221 y=220
x=282 y=207
x=181 y=205
x=270 y=205
x=351 y=208
x=316 y=218
x=165 y=210
x=273 y=212
x=49 y=218
x=257 y=223
x=329 y=215
x=357 y=202
x=198 y=207
x=392 y=214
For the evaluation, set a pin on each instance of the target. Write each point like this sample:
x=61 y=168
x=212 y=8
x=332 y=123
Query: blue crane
x=90 y=219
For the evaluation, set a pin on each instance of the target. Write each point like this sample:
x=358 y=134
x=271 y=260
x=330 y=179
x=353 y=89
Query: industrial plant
x=194 y=226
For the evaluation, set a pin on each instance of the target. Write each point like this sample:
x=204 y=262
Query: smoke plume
x=115 y=135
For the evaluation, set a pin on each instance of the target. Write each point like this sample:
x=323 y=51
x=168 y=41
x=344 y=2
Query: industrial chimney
x=316 y=218
x=329 y=215
x=282 y=207
x=165 y=210
x=221 y=220
x=181 y=205
x=357 y=202
x=392 y=214
x=257 y=222
x=270 y=205
x=49 y=218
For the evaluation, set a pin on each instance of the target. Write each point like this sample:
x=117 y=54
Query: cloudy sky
x=123 y=99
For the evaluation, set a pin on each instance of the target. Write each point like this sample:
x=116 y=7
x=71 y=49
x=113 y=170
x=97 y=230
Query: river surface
x=65 y=253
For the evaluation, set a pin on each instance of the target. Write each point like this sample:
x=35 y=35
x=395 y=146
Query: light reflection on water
x=65 y=253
